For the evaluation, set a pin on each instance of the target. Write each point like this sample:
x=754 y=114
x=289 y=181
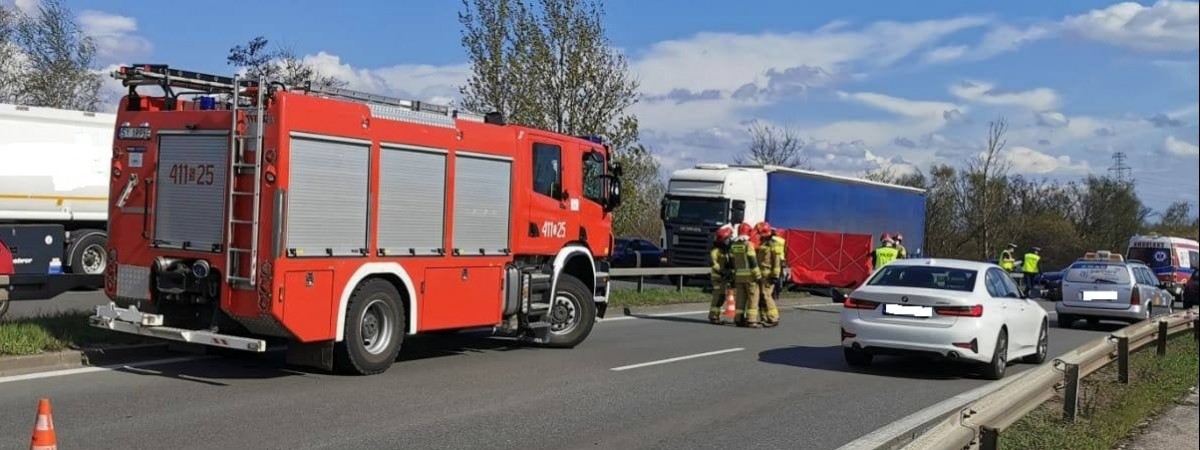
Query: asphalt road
x=69 y=301
x=785 y=387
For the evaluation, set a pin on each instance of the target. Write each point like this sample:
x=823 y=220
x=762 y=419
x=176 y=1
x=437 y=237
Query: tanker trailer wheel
x=572 y=313
x=374 y=329
x=87 y=252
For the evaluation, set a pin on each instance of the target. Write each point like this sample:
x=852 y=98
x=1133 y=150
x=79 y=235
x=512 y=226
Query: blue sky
x=867 y=84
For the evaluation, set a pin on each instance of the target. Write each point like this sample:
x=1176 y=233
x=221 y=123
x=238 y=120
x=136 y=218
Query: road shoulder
x=1176 y=428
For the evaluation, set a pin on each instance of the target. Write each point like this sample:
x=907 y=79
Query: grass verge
x=56 y=332
x=1109 y=411
x=668 y=296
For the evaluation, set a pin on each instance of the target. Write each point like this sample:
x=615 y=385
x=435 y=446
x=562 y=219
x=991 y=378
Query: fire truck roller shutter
x=189 y=203
x=327 y=196
x=482 y=190
x=387 y=270
x=412 y=200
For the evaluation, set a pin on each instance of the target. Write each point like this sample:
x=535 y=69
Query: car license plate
x=133 y=133
x=1106 y=296
x=907 y=310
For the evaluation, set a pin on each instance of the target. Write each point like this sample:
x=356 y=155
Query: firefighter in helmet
x=901 y=252
x=770 y=262
x=721 y=271
x=746 y=276
x=885 y=254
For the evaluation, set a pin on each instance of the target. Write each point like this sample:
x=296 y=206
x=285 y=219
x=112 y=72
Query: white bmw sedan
x=949 y=309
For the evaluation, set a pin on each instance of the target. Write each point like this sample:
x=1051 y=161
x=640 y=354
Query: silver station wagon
x=1104 y=286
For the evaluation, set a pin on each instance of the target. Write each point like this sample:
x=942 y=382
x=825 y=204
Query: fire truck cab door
x=555 y=201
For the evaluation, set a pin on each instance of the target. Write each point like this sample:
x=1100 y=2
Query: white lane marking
x=693 y=313
x=878 y=438
x=676 y=359
x=65 y=372
x=644 y=316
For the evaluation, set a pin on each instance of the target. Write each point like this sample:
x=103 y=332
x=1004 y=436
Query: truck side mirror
x=739 y=212
x=613 y=200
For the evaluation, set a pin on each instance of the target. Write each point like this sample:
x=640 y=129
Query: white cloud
x=1164 y=26
x=901 y=106
x=436 y=84
x=114 y=36
x=1029 y=161
x=1000 y=39
x=1052 y=119
x=1039 y=99
x=1180 y=147
x=26 y=6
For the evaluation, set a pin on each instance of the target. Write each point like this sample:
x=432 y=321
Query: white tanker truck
x=53 y=200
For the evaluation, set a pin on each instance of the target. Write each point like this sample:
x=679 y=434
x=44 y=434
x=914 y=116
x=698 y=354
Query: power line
x=1123 y=171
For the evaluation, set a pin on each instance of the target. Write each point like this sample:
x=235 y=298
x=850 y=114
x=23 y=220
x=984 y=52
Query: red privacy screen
x=829 y=259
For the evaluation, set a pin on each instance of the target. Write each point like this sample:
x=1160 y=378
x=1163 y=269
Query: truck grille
x=691 y=249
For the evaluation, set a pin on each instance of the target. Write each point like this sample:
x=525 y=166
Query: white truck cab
x=701 y=199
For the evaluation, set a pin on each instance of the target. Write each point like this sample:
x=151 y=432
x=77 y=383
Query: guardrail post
x=1162 y=338
x=1070 y=391
x=641 y=282
x=1196 y=328
x=679 y=287
x=989 y=438
x=1123 y=359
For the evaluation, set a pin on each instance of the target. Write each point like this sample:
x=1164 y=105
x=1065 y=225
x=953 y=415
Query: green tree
x=46 y=59
x=1109 y=213
x=1177 y=220
x=548 y=64
x=278 y=63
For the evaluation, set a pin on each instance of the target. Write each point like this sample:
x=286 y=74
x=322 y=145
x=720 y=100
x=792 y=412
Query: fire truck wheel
x=88 y=255
x=374 y=329
x=572 y=313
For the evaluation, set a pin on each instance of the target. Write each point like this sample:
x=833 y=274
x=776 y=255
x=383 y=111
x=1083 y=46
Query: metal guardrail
x=979 y=425
x=642 y=272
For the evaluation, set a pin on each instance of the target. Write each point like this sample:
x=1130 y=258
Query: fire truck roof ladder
x=243 y=140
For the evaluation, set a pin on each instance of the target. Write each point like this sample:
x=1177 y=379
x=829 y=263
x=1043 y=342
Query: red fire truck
x=343 y=221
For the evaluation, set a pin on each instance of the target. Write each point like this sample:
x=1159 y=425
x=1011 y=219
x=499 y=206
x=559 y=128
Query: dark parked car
x=1051 y=283
x=1191 y=290
x=629 y=250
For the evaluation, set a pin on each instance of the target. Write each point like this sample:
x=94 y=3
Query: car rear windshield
x=927 y=277
x=1097 y=273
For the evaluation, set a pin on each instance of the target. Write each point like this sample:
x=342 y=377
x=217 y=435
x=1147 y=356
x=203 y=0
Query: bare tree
x=278 y=63
x=46 y=59
x=982 y=193
x=773 y=146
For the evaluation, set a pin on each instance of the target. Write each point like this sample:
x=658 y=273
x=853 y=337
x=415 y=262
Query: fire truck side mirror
x=614 y=193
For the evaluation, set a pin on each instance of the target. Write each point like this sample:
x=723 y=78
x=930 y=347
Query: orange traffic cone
x=730 y=305
x=43 y=429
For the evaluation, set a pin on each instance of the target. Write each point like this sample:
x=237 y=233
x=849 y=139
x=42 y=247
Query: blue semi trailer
x=831 y=222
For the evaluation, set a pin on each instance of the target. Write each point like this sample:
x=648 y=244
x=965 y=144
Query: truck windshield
x=696 y=210
x=1153 y=257
x=1097 y=273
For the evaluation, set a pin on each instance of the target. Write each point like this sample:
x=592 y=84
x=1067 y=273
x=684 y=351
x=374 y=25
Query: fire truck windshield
x=694 y=210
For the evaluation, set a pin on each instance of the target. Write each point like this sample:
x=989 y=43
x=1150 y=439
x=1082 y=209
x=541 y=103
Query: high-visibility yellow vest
x=1007 y=262
x=884 y=255
x=1031 y=263
x=745 y=264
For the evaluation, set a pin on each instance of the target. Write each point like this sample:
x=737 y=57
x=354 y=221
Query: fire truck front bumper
x=130 y=320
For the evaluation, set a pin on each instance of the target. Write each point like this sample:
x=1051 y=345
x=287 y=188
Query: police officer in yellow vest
x=886 y=254
x=1008 y=260
x=902 y=253
x=1030 y=268
x=746 y=276
x=770 y=261
x=721 y=272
